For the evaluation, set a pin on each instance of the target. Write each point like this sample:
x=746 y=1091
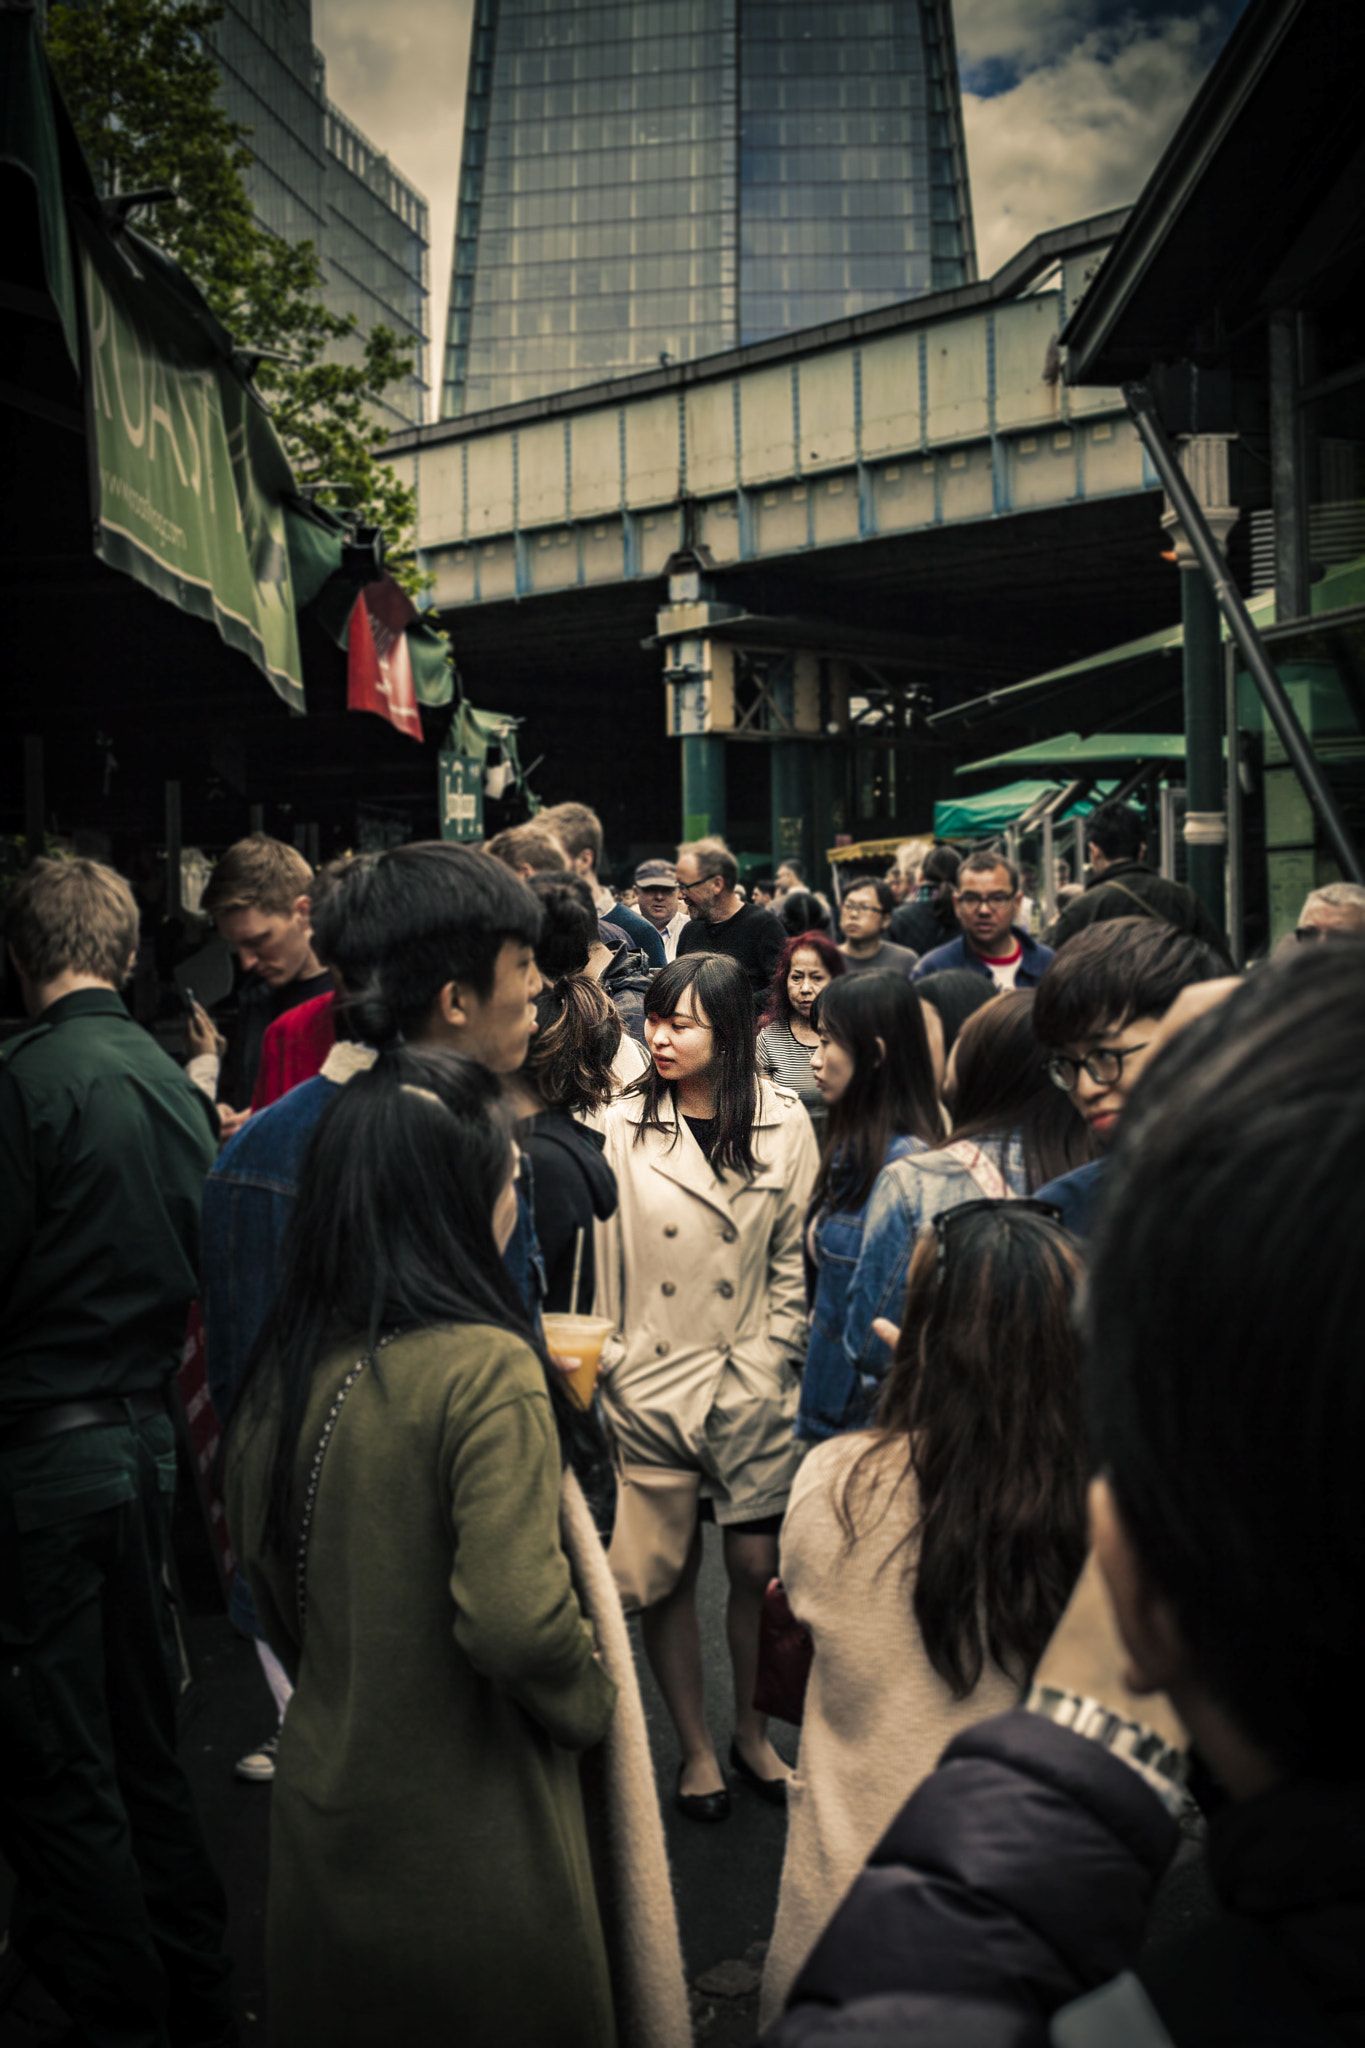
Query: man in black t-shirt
x=718 y=921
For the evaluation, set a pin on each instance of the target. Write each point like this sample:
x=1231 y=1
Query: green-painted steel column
x=1203 y=679
x=792 y=803
x=703 y=785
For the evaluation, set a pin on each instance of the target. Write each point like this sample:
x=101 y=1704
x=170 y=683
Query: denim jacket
x=248 y=1199
x=909 y=1193
x=832 y=1398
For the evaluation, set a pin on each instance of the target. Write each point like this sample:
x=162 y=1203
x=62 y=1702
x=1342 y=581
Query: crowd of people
x=997 y=1298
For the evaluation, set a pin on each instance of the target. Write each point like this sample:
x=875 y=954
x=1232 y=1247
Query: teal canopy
x=975 y=817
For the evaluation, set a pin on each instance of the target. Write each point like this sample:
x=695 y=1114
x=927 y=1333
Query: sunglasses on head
x=947 y=1220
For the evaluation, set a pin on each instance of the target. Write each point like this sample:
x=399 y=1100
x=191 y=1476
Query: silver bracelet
x=1162 y=1765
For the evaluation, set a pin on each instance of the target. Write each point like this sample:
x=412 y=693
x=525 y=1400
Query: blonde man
x=259 y=899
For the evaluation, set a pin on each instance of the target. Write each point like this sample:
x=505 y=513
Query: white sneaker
x=258 y=1765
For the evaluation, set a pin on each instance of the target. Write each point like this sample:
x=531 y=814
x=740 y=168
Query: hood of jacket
x=557 y=1127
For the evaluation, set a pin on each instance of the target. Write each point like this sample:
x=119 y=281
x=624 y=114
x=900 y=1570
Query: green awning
x=1137 y=669
x=1070 y=753
x=973 y=817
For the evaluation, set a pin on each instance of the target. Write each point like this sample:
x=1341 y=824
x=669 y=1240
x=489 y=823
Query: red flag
x=379 y=666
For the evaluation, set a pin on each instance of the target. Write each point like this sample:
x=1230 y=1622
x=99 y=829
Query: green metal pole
x=703 y=785
x=792 y=798
x=1203 y=680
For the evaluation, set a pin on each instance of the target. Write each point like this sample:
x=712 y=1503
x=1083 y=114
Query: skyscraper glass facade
x=852 y=187
x=648 y=181
x=315 y=177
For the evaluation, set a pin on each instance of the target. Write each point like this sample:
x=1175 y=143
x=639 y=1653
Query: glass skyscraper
x=315 y=177
x=648 y=181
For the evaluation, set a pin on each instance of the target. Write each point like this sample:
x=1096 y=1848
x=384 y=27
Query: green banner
x=461 y=797
x=188 y=476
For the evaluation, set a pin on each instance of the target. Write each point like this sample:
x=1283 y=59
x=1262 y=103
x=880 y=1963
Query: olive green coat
x=429 y=1869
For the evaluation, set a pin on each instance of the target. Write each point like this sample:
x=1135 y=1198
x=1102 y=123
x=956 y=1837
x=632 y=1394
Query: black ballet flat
x=774 y=1790
x=705 y=1806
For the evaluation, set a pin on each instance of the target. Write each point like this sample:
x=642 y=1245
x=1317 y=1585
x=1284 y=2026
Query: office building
x=315 y=177
x=649 y=181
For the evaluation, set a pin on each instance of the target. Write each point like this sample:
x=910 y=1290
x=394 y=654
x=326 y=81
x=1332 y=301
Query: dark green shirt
x=104 y=1145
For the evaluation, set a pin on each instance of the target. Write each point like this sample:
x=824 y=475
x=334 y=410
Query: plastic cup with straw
x=578 y=1337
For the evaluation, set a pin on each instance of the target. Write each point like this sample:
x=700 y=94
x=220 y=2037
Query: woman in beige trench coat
x=700 y=1271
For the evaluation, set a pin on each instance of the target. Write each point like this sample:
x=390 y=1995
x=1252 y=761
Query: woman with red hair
x=786 y=1037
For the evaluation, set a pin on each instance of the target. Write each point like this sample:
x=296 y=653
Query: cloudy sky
x=1067 y=103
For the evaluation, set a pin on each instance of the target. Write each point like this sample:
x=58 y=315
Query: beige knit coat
x=878 y=1716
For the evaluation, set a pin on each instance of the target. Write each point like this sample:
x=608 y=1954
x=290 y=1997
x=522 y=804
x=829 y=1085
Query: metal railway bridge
x=787 y=556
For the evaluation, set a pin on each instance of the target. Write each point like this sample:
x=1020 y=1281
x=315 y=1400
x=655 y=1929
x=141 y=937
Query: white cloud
x=1080 y=134
x=1026 y=32
x=398 y=72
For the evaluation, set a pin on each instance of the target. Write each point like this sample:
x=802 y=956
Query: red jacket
x=294 y=1049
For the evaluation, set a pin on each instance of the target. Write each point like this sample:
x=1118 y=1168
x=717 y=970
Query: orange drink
x=580 y=1338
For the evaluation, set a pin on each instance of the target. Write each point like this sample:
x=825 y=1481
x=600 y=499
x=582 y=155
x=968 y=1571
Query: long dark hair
x=1002 y=1090
x=956 y=994
x=391 y=1230
x=986 y=1387
x=777 y=1004
x=891 y=1093
x=717 y=985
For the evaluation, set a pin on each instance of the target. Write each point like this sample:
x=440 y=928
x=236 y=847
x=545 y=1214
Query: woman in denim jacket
x=1011 y=1130
x=874 y=1070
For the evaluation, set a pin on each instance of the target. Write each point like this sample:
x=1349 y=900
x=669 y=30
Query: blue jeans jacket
x=909 y=1193
x=832 y=1397
x=248 y=1200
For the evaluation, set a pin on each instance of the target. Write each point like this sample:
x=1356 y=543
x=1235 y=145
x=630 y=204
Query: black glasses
x=997 y=899
x=1104 y=1067
x=947 y=1220
x=1304 y=933
x=686 y=888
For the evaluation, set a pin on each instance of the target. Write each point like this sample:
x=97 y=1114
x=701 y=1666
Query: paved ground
x=725 y=1877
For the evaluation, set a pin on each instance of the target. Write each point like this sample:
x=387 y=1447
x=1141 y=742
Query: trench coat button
x=729 y=1234
x=661 y=1350
x=670 y=1230
x=725 y=1290
x=668 y=1288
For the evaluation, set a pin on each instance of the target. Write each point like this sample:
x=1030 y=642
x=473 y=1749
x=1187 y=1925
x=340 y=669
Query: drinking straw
x=577 y=1272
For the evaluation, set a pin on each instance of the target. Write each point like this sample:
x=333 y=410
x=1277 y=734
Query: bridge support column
x=703 y=785
x=792 y=803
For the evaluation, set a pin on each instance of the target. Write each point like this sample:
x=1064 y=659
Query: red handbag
x=785 y=1651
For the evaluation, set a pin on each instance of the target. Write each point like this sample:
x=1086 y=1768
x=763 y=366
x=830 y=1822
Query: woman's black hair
x=1002 y=1090
x=570 y=929
x=985 y=1391
x=718 y=986
x=956 y=993
x=802 y=911
x=391 y=1230
x=876 y=1018
x=1117 y=969
x=1225 y=1311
